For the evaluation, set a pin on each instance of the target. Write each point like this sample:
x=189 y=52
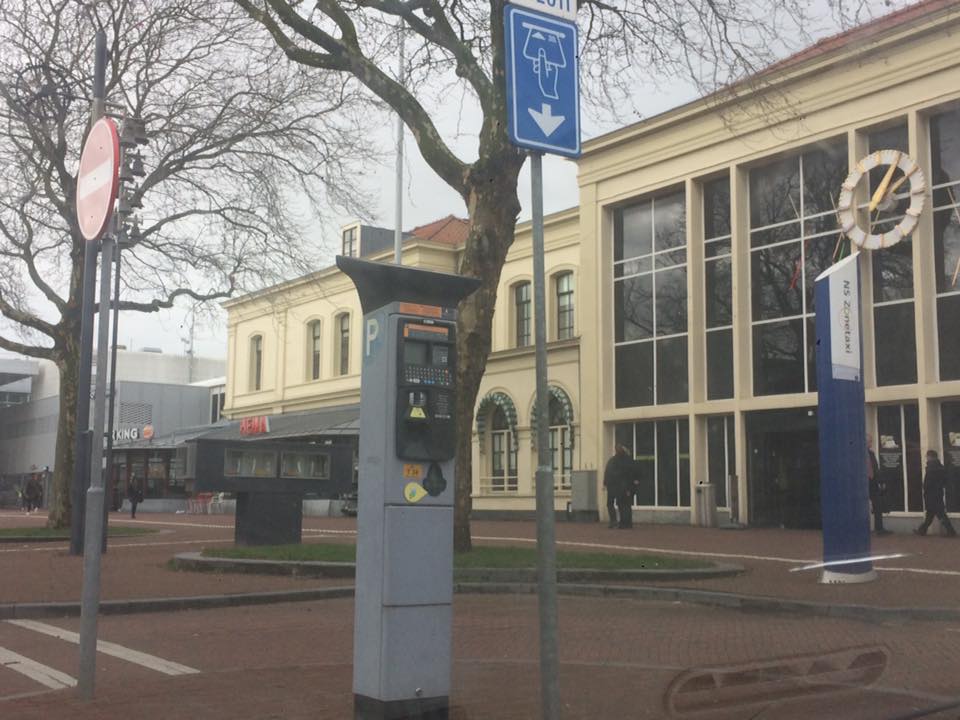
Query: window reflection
x=945 y=157
x=793 y=238
x=650 y=301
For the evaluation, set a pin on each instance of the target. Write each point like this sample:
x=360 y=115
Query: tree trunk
x=493 y=206
x=68 y=360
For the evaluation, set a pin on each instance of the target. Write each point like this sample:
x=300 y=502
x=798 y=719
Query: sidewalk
x=927 y=575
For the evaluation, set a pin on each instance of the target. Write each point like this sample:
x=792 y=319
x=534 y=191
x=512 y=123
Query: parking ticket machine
x=404 y=586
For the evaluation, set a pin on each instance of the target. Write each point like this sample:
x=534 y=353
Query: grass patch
x=45 y=532
x=486 y=556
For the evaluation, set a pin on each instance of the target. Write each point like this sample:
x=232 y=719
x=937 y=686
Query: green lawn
x=481 y=557
x=45 y=532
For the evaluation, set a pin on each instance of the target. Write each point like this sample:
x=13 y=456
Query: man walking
x=618 y=479
x=934 y=483
x=876 y=488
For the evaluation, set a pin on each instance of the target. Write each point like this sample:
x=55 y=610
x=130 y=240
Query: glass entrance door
x=783 y=482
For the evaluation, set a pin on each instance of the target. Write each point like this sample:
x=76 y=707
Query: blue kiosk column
x=844 y=495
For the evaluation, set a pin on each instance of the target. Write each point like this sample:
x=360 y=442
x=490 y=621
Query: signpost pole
x=79 y=478
x=546 y=532
x=93 y=535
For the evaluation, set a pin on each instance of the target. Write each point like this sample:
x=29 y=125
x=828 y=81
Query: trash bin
x=706 y=495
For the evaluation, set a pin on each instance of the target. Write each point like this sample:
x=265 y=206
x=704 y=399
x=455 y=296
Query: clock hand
x=882 y=190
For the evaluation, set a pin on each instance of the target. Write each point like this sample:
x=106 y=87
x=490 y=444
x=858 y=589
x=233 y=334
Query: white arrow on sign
x=545 y=119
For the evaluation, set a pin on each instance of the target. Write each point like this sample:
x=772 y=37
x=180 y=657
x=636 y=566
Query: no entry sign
x=98 y=178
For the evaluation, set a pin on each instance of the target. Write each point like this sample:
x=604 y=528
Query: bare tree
x=246 y=151
x=711 y=43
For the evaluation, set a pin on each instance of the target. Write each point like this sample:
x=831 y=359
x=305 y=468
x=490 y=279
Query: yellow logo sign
x=412 y=471
x=417 y=412
x=414 y=493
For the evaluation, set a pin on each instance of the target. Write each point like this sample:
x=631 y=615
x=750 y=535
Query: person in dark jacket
x=618 y=478
x=934 y=483
x=135 y=497
x=876 y=488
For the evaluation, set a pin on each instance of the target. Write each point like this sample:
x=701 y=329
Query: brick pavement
x=136 y=567
x=619 y=659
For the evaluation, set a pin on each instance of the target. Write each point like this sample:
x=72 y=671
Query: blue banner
x=844 y=492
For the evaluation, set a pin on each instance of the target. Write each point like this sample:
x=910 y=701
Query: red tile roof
x=863 y=33
x=450 y=230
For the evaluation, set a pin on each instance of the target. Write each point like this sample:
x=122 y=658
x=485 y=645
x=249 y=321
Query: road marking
x=167 y=667
x=46 y=676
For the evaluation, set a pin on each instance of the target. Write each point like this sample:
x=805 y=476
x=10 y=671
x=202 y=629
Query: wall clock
x=884 y=198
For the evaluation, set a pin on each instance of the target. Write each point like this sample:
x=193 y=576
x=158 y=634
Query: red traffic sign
x=98 y=178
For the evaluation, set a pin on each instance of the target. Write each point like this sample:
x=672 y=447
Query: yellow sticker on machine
x=417 y=412
x=412 y=471
x=414 y=493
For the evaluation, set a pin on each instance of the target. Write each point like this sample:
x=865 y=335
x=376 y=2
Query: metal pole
x=90 y=599
x=546 y=532
x=113 y=386
x=398 y=210
x=81 y=452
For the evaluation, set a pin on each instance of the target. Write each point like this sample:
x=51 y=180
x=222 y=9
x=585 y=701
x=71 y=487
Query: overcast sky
x=426 y=198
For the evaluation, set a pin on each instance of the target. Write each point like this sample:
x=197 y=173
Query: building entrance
x=783 y=483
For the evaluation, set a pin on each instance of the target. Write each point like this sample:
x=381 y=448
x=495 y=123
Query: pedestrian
x=618 y=478
x=135 y=496
x=31 y=494
x=876 y=486
x=934 y=483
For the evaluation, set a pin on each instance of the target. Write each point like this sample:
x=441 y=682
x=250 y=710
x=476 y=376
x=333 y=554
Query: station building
x=680 y=294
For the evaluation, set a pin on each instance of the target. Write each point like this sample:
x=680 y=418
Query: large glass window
x=893 y=317
x=950 y=425
x=899 y=457
x=523 y=312
x=564 y=288
x=305 y=465
x=650 y=301
x=718 y=295
x=503 y=455
x=945 y=156
x=256 y=362
x=250 y=463
x=661 y=450
x=793 y=238
x=721 y=455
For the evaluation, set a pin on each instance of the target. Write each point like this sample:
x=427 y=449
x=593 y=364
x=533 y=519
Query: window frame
x=341 y=358
x=350 y=242
x=314 y=344
x=256 y=362
x=522 y=314
x=565 y=300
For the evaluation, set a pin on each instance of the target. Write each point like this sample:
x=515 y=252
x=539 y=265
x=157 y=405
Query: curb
x=195 y=561
x=730 y=601
x=24 y=611
x=28 y=539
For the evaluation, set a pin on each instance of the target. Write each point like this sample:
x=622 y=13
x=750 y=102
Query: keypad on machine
x=424 y=375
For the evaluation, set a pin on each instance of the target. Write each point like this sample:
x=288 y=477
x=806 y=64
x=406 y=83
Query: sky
x=425 y=198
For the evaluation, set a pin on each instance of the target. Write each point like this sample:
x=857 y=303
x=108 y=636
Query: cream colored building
x=680 y=295
x=728 y=204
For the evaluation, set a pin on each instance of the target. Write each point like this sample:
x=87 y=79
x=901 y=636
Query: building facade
x=680 y=295
x=164 y=392
x=702 y=232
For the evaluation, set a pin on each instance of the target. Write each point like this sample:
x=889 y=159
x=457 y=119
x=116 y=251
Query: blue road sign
x=543 y=85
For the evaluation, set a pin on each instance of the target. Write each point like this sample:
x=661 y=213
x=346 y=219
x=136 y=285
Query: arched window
x=503 y=454
x=563 y=284
x=256 y=362
x=523 y=313
x=314 y=335
x=342 y=360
